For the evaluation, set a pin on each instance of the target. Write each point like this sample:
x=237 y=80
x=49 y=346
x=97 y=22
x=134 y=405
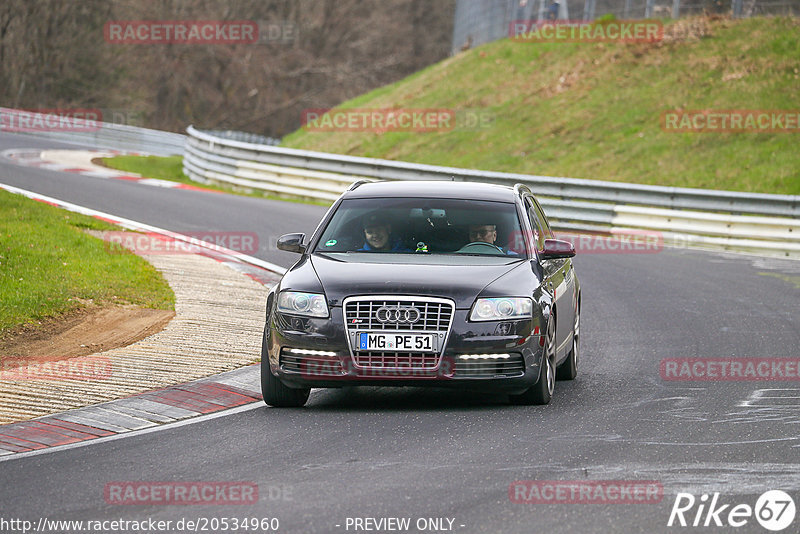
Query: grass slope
x=592 y=110
x=48 y=264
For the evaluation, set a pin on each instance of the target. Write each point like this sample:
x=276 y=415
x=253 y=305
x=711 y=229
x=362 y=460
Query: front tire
x=568 y=370
x=542 y=391
x=275 y=392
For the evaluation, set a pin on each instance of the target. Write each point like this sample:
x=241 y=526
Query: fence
x=481 y=21
x=706 y=218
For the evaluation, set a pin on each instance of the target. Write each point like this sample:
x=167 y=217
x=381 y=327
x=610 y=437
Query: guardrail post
x=648 y=8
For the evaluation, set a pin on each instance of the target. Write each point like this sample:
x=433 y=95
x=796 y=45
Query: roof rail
x=518 y=187
x=358 y=183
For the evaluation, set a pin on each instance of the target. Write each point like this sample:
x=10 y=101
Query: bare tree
x=52 y=53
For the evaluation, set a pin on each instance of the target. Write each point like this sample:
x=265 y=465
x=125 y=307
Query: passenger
x=378 y=236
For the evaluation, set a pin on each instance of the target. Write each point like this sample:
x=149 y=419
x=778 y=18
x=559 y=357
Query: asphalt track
x=418 y=453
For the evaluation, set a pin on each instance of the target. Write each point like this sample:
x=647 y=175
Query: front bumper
x=501 y=356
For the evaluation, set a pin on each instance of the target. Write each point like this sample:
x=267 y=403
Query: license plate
x=398 y=342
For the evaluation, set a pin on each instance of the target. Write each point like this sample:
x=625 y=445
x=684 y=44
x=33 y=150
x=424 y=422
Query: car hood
x=460 y=279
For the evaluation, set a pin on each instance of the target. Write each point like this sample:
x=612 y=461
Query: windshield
x=424 y=226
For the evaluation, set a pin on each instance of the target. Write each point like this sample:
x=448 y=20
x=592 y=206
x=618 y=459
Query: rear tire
x=275 y=392
x=542 y=391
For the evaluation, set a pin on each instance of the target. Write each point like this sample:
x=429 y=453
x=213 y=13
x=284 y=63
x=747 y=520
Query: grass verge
x=49 y=265
x=171 y=168
x=593 y=110
x=161 y=167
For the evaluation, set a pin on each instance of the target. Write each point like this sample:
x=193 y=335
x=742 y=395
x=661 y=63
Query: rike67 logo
x=774 y=510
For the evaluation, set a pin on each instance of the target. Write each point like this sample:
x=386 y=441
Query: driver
x=378 y=235
x=483 y=233
x=486 y=233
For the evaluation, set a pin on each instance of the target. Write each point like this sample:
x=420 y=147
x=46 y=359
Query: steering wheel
x=480 y=247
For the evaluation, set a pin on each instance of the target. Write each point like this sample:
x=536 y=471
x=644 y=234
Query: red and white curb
x=79 y=162
x=143 y=411
x=221 y=392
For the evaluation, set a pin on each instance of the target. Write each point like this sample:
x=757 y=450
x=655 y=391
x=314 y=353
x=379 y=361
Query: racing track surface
x=367 y=452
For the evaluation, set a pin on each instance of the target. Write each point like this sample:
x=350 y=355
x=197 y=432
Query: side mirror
x=292 y=243
x=557 y=248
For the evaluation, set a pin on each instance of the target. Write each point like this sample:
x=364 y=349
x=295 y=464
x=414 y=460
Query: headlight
x=500 y=309
x=297 y=303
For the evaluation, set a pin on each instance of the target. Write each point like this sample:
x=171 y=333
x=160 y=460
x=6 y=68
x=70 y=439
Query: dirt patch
x=82 y=332
x=689 y=29
x=100 y=162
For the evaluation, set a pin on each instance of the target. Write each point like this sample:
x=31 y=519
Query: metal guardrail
x=567 y=188
x=247 y=137
x=99 y=135
x=683 y=216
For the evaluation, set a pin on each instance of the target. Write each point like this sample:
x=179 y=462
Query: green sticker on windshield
x=330 y=242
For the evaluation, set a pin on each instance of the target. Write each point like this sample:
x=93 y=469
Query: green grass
x=48 y=264
x=171 y=168
x=592 y=110
x=163 y=168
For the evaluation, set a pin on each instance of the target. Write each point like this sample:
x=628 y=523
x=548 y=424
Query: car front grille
x=398 y=314
x=480 y=368
x=433 y=315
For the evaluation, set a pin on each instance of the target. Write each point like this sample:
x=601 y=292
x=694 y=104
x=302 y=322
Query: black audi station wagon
x=445 y=284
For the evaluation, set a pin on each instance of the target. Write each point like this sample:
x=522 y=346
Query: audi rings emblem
x=397 y=314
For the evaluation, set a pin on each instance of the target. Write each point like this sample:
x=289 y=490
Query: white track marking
x=134 y=225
